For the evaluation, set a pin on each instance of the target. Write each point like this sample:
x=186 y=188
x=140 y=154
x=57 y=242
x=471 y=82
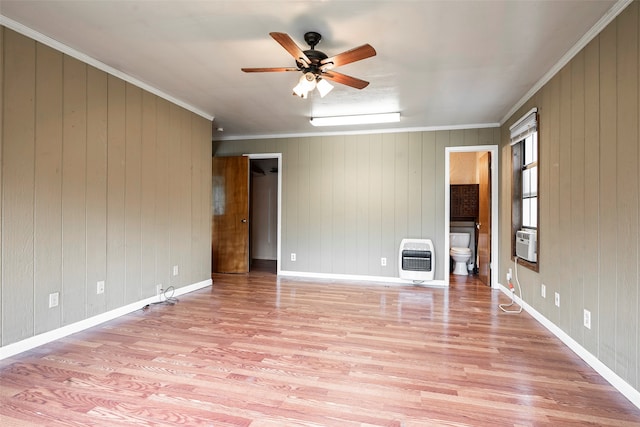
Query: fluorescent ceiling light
x=362 y=119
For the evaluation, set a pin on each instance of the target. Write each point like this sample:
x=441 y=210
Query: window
x=530 y=181
x=524 y=187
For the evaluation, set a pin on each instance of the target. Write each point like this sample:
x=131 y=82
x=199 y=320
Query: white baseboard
x=621 y=385
x=359 y=278
x=46 y=337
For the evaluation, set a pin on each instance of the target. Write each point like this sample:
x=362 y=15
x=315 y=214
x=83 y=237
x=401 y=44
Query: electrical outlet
x=587 y=319
x=383 y=262
x=543 y=290
x=293 y=256
x=509 y=275
x=557 y=301
x=53 y=299
x=159 y=289
x=175 y=270
x=100 y=287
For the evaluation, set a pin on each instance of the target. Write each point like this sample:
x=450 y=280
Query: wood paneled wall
x=348 y=201
x=589 y=194
x=100 y=180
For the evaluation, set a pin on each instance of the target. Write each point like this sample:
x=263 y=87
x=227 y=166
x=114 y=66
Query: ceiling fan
x=316 y=66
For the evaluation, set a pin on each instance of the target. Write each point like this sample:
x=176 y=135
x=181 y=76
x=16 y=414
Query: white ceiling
x=442 y=64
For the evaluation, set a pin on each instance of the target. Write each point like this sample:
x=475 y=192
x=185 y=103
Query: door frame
x=493 y=149
x=279 y=207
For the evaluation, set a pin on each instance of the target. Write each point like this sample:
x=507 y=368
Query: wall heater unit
x=416 y=260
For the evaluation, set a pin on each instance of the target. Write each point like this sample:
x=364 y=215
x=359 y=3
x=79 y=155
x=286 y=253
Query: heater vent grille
x=416 y=260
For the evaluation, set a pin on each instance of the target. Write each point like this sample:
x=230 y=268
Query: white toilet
x=460 y=252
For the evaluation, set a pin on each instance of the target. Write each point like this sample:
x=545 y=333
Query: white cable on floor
x=504 y=307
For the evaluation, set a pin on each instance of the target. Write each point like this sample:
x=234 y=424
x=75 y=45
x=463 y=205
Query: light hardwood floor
x=255 y=350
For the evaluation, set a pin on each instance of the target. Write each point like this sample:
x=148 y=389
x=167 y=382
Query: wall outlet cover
x=293 y=256
x=587 y=319
x=175 y=270
x=100 y=287
x=557 y=300
x=383 y=261
x=53 y=299
x=543 y=290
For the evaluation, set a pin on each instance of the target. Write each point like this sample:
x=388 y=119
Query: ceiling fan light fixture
x=305 y=85
x=299 y=90
x=316 y=64
x=361 y=119
x=324 y=87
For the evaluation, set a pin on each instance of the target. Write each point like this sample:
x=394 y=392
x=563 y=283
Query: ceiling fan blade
x=269 y=70
x=345 y=80
x=291 y=47
x=353 y=55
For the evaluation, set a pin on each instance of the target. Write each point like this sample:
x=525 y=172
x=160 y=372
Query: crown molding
x=26 y=31
x=611 y=14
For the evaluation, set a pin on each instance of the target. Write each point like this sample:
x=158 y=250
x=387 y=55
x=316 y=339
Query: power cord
x=168 y=299
x=504 y=307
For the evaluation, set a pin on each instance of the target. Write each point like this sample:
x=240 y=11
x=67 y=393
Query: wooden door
x=230 y=228
x=484 y=219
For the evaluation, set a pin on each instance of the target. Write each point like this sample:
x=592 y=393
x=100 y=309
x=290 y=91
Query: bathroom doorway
x=472 y=168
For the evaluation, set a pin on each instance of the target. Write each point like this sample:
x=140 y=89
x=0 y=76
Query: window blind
x=524 y=127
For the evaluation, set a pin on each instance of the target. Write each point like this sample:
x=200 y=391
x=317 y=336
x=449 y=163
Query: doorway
x=265 y=195
x=263 y=214
x=487 y=234
x=237 y=205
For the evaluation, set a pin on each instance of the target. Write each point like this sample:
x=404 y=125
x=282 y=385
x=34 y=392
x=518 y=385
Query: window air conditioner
x=526 y=245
